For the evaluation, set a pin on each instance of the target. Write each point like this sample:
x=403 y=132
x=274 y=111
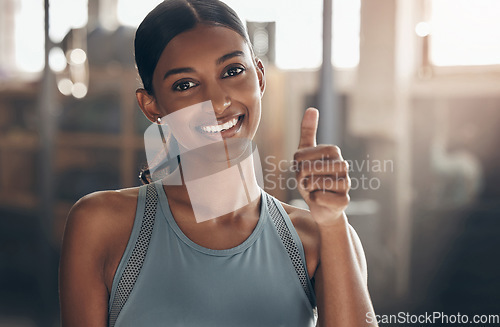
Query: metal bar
x=45 y=267
x=329 y=130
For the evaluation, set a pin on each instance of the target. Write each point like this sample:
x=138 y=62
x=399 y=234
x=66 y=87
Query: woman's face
x=208 y=84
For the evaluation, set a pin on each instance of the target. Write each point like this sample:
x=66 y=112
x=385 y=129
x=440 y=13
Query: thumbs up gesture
x=321 y=172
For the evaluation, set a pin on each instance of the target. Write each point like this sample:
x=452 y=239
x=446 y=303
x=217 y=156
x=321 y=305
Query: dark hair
x=169 y=19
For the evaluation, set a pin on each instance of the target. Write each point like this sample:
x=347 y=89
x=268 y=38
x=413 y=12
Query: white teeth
x=219 y=128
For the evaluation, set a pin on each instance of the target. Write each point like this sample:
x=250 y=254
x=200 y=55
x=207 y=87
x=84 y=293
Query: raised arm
x=341 y=279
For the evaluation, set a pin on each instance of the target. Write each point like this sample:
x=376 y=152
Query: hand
x=321 y=172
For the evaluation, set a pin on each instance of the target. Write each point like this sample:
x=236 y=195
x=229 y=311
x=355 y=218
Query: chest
x=219 y=237
x=251 y=285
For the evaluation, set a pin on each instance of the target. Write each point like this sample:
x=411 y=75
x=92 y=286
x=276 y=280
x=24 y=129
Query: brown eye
x=184 y=86
x=233 y=71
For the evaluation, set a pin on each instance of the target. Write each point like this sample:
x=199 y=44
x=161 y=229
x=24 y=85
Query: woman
x=144 y=257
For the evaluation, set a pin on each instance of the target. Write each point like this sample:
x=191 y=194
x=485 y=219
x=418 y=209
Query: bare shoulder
x=96 y=233
x=308 y=232
x=101 y=212
x=103 y=220
x=105 y=202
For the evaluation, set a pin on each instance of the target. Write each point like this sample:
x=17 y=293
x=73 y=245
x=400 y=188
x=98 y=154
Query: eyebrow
x=178 y=71
x=229 y=56
x=191 y=70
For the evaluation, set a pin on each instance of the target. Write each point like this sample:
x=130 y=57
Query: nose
x=220 y=99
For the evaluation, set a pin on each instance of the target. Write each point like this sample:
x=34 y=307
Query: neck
x=226 y=190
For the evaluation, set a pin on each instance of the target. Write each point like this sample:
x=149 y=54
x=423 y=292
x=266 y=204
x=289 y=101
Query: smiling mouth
x=220 y=128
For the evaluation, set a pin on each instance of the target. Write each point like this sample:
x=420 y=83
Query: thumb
x=309 y=127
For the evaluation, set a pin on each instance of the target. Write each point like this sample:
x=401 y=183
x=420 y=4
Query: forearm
x=343 y=298
x=324 y=183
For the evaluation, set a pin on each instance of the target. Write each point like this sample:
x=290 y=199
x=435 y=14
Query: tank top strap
x=148 y=202
x=293 y=245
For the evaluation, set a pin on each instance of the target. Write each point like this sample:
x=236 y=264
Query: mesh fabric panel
x=134 y=264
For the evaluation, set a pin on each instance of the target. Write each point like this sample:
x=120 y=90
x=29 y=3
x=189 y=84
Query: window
x=132 y=12
x=465 y=32
x=27 y=36
x=299 y=30
x=65 y=15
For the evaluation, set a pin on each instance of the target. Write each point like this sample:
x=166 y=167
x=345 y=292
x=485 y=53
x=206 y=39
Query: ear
x=148 y=105
x=261 y=75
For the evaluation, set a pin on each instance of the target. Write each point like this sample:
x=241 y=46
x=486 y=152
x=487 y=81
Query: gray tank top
x=165 y=279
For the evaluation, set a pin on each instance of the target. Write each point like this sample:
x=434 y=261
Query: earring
x=158 y=120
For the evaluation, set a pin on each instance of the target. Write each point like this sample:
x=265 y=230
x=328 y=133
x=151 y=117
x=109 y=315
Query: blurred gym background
x=410 y=90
